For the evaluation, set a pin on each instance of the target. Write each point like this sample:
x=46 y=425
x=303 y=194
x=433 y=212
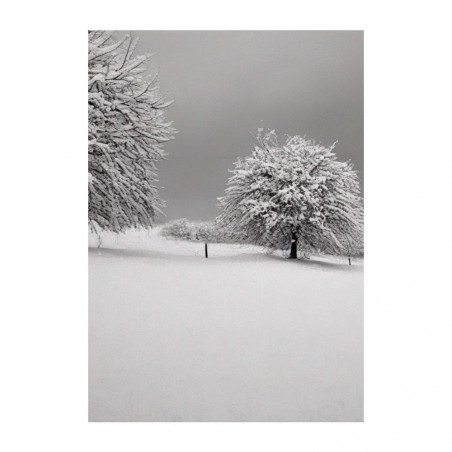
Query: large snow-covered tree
x=126 y=133
x=294 y=195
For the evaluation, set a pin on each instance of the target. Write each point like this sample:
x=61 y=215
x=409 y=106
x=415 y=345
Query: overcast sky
x=226 y=84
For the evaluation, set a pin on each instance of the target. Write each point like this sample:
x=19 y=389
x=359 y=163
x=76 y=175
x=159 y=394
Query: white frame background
x=408 y=366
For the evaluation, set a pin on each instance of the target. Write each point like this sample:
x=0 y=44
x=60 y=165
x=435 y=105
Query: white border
x=407 y=284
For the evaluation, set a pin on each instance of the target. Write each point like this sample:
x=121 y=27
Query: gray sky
x=226 y=84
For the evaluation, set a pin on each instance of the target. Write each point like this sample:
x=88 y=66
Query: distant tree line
x=207 y=231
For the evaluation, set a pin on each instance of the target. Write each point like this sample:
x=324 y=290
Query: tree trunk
x=293 y=247
x=205 y=249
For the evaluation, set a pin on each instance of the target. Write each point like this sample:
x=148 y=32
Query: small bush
x=208 y=231
x=178 y=229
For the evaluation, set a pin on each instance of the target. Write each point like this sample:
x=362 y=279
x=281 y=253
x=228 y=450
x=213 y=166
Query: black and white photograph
x=266 y=264
x=226 y=226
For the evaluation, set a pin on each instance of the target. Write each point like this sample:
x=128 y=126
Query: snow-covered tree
x=294 y=195
x=126 y=132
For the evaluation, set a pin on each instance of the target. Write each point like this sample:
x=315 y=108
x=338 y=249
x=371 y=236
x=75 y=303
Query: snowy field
x=241 y=336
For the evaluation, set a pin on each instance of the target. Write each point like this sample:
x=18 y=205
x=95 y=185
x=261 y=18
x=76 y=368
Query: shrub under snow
x=208 y=231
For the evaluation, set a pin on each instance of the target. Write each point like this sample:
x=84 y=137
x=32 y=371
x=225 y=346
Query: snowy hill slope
x=241 y=336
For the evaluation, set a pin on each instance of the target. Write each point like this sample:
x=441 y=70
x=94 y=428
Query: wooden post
x=205 y=249
x=293 y=247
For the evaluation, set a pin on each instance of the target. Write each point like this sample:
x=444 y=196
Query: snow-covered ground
x=241 y=336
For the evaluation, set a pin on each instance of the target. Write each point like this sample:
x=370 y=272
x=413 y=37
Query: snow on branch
x=126 y=132
x=295 y=189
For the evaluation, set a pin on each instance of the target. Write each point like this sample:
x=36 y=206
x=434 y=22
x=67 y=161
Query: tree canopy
x=126 y=133
x=295 y=190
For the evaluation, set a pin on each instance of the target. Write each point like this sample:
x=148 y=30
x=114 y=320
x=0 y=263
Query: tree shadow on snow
x=313 y=263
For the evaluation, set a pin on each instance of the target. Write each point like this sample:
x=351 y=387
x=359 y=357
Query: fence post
x=205 y=249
